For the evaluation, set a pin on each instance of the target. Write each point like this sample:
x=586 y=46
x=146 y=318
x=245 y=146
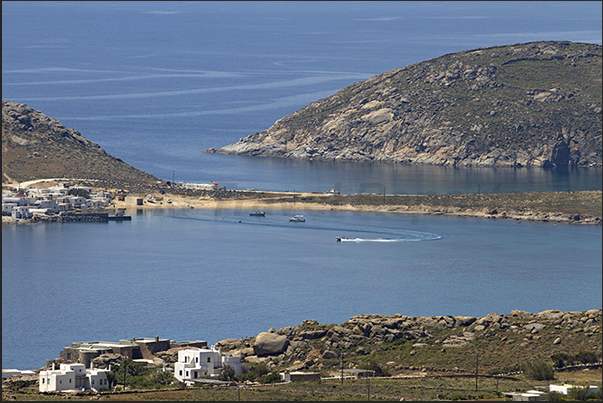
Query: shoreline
x=290 y=203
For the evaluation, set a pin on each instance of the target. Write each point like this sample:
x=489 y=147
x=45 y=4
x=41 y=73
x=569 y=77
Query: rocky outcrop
x=535 y=104
x=270 y=343
x=312 y=345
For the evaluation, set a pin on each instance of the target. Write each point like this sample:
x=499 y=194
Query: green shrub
x=585 y=357
x=227 y=374
x=253 y=373
x=272 y=377
x=577 y=393
x=538 y=370
x=560 y=360
x=555 y=396
x=79 y=192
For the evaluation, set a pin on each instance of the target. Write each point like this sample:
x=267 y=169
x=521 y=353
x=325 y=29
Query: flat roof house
x=73 y=377
x=195 y=363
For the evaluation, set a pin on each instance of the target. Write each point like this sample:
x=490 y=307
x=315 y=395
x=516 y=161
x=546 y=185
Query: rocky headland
x=536 y=104
x=36 y=146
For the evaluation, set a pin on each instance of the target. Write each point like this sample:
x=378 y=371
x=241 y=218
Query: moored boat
x=258 y=213
x=297 y=218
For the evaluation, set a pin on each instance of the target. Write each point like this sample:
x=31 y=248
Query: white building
x=565 y=388
x=73 y=377
x=78 y=202
x=18 y=200
x=47 y=204
x=7 y=208
x=21 y=212
x=194 y=363
x=202 y=186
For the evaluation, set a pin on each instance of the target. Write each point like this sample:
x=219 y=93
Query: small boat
x=340 y=238
x=258 y=213
x=297 y=218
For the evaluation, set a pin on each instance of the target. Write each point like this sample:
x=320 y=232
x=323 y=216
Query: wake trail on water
x=415 y=238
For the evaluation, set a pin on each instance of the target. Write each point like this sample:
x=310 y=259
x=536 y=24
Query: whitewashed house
x=18 y=200
x=73 y=377
x=7 y=208
x=195 y=363
x=78 y=202
x=47 y=204
x=97 y=203
x=21 y=212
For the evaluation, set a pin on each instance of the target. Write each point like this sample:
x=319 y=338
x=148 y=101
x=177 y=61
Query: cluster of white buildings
x=53 y=199
x=193 y=364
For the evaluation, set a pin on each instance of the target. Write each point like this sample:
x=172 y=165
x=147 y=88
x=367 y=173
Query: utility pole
x=173 y=176
x=476 y=369
x=342 y=368
x=124 y=364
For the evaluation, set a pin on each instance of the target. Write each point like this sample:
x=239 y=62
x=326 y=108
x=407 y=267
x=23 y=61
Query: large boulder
x=267 y=343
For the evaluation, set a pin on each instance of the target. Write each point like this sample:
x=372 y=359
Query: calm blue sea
x=155 y=83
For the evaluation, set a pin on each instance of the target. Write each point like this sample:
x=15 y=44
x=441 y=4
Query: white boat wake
x=410 y=237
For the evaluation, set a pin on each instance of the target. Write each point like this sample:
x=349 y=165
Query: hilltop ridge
x=534 y=104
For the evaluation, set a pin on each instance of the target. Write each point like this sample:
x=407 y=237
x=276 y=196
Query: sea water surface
x=213 y=274
x=155 y=83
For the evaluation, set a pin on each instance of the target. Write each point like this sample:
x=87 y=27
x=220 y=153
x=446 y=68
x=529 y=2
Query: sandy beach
x=289 y=203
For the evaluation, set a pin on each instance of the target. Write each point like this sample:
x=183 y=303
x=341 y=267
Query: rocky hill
x=534 y=104
x=443 y=343
x=401 y=343
x=35 y=146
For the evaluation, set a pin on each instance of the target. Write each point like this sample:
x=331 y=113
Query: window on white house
x=208 y=359
x=186 y=373
x=196 y=359
x=42 y=380
x=180 y=372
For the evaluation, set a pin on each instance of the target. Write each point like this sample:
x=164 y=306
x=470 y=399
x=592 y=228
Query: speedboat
x=258 y=213
x=297 y=218
x=340 y=238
